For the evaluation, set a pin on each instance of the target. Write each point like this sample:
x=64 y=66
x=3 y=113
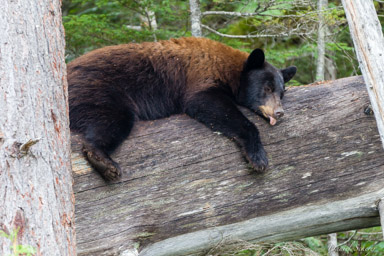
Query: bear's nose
x=279 y=113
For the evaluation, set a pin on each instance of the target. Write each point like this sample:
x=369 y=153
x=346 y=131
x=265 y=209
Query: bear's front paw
x=258 y=160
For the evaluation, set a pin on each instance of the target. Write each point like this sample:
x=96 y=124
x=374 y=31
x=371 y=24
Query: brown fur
x=205 y=61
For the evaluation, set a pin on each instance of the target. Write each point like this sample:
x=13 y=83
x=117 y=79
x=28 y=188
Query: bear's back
x=193 y=59
x=162 y=74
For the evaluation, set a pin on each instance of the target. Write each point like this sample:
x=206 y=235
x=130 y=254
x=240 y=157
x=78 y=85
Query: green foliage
x=94 y=24
x=295 y=248
x=366 y=242
x=362 y=242
x=17 y=249
x=90 y=31
x=316 y=244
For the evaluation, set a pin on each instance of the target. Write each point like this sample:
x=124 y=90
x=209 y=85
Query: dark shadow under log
x=185 y=189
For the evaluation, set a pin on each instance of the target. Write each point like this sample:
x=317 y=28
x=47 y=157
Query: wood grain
x=181 y=180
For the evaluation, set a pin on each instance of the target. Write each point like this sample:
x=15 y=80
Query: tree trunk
x=369 y=46
x=36 y=196
x=380 y=206
x=185 y=189
x=320 y=66
x=332 y=245
x=194 y=6
x=330 y=69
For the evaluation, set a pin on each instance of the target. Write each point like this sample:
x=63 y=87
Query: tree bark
x=194 y=6
x=36 y=196
x=186 y=189
x=320 y=66
x=368 y=39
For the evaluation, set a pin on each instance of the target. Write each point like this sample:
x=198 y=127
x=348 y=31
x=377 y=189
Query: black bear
x=111 y=87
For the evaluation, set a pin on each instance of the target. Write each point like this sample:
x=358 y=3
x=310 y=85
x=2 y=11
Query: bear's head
x=262 y=86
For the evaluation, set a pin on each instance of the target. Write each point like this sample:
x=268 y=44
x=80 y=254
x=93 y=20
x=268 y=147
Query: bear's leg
x=217 y=110
x=103 y=130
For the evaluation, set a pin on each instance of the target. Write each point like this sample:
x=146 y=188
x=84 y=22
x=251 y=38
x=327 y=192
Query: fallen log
x=185 y=189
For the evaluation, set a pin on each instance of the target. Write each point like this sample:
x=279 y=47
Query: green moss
x=145 y=234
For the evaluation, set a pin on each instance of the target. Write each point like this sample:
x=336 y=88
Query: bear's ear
x=288 y=73
x=255 y=60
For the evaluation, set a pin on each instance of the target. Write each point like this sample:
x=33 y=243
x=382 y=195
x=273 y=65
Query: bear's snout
x=279 y=113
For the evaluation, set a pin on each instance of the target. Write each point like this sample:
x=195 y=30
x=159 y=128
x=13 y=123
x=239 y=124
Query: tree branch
x=291 y=33
x=252 y=14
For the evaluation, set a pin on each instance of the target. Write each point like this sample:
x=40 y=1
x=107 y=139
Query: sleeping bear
x=111 y=87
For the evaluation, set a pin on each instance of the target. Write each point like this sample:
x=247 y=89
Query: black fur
x=217 y=110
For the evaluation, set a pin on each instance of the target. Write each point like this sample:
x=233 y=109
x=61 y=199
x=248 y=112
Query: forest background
x=288 y=30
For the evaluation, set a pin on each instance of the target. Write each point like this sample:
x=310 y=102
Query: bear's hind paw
x=106 y=167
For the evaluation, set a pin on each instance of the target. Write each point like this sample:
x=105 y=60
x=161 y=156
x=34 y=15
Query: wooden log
x=185 y=189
